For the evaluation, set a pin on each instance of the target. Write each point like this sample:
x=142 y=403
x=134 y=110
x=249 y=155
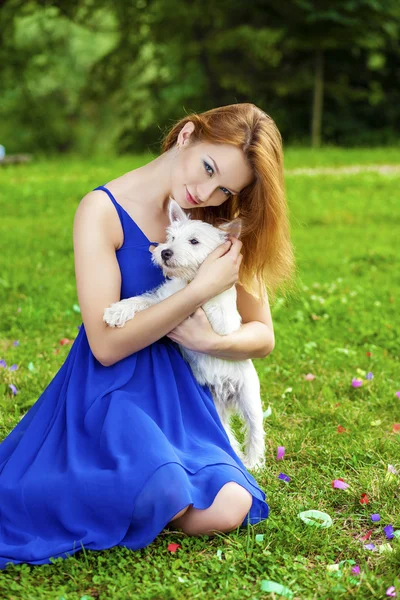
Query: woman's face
x=211 y=173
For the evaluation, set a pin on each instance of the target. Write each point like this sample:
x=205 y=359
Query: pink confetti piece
x=173 y=547
x=375 y=517
x=370 y=546
x=281 y=453
x=284 y=477
x=340 y=484
x=369 y=376
x=356 y=382
x=310 y=377
x=13 y=388
x=356 y=570
x=396 y=427
x=391 y=469
x=389 y=531
x=398 y=394
x=391 y=591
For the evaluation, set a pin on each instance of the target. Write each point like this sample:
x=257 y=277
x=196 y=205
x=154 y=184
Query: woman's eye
x=227 y=192
x=207 y=165
x=193 y=241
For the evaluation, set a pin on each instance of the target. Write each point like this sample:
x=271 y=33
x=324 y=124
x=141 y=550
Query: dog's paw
x=118 y=314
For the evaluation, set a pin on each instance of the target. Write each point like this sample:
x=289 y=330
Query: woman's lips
x=189 y=198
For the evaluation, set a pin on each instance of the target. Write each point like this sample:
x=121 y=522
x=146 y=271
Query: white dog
x=234 y=384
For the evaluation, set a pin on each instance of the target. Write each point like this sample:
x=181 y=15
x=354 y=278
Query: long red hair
x=268 y=258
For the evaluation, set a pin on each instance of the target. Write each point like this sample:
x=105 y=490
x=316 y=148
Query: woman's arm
x=98 y=280
x=255 y=338
x=252 y=340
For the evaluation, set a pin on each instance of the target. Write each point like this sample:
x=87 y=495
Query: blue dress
x=107 y=456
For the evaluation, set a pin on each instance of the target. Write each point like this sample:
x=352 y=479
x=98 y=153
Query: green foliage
x=42 y=105
x=91 y=77
x=345 y=236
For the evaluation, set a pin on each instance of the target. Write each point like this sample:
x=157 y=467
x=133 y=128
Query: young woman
x=124 y=442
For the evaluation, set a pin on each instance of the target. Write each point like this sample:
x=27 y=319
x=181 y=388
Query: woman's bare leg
x=182 y=512
x=226 y=513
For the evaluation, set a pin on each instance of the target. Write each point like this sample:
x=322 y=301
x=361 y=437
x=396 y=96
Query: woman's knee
x=235 y=502
x=226 y=513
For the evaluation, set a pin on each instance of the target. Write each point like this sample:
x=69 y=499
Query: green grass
x=346 y=237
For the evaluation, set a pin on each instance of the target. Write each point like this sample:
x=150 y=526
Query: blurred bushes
x=87 y=77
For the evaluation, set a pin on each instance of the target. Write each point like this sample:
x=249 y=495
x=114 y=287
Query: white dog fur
x=234 y=385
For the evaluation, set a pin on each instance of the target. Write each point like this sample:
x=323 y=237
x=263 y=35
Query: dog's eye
x=193 y=241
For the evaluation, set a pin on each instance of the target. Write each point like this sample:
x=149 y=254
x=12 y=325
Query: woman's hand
x=220 y=270
x=195 y=333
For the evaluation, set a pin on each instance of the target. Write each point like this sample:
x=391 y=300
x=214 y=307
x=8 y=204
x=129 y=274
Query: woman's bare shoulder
x=97 y=205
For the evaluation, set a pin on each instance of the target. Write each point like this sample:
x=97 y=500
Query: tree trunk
x=318 y=99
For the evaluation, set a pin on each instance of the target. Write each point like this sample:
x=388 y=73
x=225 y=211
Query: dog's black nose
x=166 y=254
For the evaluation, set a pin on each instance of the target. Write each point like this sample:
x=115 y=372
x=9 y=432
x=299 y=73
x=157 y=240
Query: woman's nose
x=205 y=190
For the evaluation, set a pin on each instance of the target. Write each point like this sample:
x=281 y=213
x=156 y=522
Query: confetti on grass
x=341 y=429
x=281 y=453
x=173 y=547
x=385 y=548
x=389 y=531
x=340 y=484
x=370 y=546
x=364 y=499
x=356 y=382
x=375 y=517
x=267 y=413
x=309 y=516
x=284 y=477
x=310 y=377
x=391 y=592
x=276 y=588
x=332 y=568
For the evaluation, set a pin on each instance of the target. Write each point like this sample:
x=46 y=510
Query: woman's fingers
x=235 y=247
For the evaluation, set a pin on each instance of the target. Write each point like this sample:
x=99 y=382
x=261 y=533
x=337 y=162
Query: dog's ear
x=233 y=228
x=175 y=212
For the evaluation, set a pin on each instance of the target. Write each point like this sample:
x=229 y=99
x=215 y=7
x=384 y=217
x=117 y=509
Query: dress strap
x=113 y=200
x=124 y=215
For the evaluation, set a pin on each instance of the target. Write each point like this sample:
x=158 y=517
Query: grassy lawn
x=343 y=324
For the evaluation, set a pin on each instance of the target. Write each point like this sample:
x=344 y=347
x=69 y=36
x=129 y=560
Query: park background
x=87 y=90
